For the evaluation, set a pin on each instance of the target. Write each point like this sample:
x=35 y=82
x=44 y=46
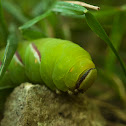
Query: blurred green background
x=110 y=85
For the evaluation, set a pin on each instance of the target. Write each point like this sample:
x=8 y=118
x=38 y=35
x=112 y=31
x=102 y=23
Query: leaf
x=63 y=7
x=97 y=28
x=9 y=51
x=69 y=9
x=35 y=20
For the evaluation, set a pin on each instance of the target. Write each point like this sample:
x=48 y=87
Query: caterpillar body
x=62 y=65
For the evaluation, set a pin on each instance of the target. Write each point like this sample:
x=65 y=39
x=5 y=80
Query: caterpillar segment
x=62 y=65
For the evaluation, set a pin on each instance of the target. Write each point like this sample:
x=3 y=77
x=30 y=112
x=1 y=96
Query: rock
x=36 y=105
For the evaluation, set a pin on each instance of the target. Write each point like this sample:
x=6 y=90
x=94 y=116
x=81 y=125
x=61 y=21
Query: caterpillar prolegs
x=60 y=64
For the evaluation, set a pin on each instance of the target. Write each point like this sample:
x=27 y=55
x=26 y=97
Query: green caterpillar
x=60 y=64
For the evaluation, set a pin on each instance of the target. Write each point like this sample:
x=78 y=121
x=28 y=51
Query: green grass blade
x=35 y=20
x=116 y=38
x=9 y=51
x=3 y=22
x=61 y=6
x=97 y=28
x=69 y=9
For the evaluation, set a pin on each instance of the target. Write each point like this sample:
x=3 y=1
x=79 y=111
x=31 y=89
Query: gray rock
x=35 y=105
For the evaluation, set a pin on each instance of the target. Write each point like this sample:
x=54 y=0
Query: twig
x=84 y=5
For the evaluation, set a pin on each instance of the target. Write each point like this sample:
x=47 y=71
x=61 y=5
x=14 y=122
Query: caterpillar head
x=86 y=79
x=84 y=72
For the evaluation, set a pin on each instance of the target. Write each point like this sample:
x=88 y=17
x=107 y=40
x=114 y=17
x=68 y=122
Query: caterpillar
x=61 y=64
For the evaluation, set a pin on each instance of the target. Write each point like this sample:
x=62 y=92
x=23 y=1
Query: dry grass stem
x=84 y=5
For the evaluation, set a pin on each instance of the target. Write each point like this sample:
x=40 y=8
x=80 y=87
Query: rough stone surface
x=35 y=105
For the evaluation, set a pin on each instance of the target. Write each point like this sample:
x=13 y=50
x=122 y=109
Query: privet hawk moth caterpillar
x=60 y=64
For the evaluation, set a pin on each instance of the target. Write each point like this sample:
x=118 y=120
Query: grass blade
x=63 y=7
x=9 y=51
x=97 y=28
x=34 y=20
x=116 y=37
x=69 y=9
